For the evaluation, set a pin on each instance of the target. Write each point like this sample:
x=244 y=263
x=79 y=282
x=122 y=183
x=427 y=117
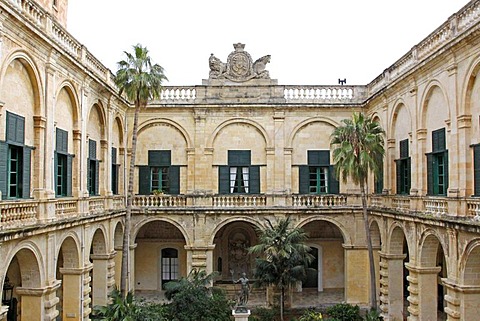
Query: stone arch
x=397 y=239
x=33 y=73
x=25 y=272
x=71 y=91
x=121 y=126
x=428 y=246
x=69 y=245
x=118 y=248
x=375 y=234
x=303 y=124
x=470 y=264
x=470 y=80
x=229 y=220
x=102 y=119
x=159 y=121
x=230 y=244
x=347 y=239
x=138 y=225
x=259 y=128
x=429 y=92
x=161 y=254
x=398 y=108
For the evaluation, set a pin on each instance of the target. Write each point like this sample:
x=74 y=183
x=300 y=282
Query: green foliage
x=263 y=314
x=193 y=299
x=119 y=309
x=357 y=148
x=311 y=315
x=344 y=312
x=284 y=256
x=373 y=315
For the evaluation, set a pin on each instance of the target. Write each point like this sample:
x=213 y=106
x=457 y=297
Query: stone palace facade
x=214 y=160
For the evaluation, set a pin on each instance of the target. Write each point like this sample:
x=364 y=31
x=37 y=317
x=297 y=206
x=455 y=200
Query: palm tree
x=284 y=256
x=140 y=80
x=358 y=149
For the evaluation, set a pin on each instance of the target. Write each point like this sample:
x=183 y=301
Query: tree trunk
x=125 y=271
x=373 y=285
x=282 y=299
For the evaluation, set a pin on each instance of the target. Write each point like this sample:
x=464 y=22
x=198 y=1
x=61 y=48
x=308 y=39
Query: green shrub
x=263 y=314
x=311 y=315
x=373 y=315
x=344 y=312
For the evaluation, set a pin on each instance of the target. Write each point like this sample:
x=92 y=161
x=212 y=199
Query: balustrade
x=436 y=206
x=159 y=201
x=66 y=207
x=96 y=205
x=319 y=200
x=14 y=213
x=239 y=200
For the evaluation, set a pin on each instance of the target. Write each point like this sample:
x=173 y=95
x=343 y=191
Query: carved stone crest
x=239 y=67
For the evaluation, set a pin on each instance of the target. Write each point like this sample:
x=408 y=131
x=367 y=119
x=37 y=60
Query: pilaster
x=423 y=292
x=391 y=286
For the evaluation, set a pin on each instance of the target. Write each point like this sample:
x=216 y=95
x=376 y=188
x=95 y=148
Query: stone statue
x=217 y=67
x=245 y=289
x=259 y=67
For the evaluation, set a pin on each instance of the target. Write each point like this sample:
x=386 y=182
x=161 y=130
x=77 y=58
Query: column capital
x=423 y=270
x=389 y=256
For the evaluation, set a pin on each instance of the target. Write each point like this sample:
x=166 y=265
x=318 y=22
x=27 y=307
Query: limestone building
x=216 y=159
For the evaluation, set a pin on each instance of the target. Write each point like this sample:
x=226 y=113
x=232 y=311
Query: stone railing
x=458 y=24
x=66 y=207
x=473 y=208
x=239 y=200
x=325 y=94
x=172 y=94
x=96 y=204
x=15 y=213
x=159 y=201
x=42 y=20
x=319 y=200
x=436 y=206
x=401 y=204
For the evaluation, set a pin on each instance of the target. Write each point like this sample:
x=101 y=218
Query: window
x=169 y=265
x=159 y=174
x=378 y=179
x=15 y=159
x=437 y=165
x=93 y=168
x=115 y=171
x=476 y=169
x=403 y=168
x=318 y=176
x=63 y=165
x=239 y=176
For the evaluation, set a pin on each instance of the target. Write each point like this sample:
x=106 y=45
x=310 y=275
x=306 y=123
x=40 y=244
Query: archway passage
x=325 y=281
x=394 y=274
x=70 y=291
x=25 y=298
x=470 y=303
x=160 y=257
x=231 y=259
x=99 y=274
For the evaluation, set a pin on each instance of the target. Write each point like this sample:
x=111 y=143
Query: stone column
x=104 y=183
x=389 y=181
x=200 y=258
x=279 y=145
x=39 y=303
x=423 y=292
x=131 y=266
x=419 y=159
x=356 y=279
x=86 y=290
x=391 y=280
x=72 y=293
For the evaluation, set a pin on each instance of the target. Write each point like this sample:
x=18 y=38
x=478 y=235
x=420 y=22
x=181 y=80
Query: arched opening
x=325 y=282
x=430 y=286
x=160 y=257
x=396 y=281
x=23 y=275
x=99 y=272
x=470 y=303
x=67 y=271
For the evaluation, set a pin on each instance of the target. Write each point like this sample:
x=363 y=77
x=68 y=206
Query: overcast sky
x=312 y=42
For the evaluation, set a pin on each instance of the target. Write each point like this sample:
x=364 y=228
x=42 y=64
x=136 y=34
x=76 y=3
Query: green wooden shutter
x=61 y=141
x=97 y=174
x=174 y=179
x=303 y=179
x=239 y=157
x=318 y=157
x=438 y=140
x=27 y=156
x=159 y=158
x=55 y=172
x=429 y=174
x=476 y=169
x=144 y=178
x=398 y=169
x=92 y=149
x=114 y=155
x=409 y=175
x=15 y=128
x=446 y=171
x=223 y=179
x=69 y=174
x=404 y=148
x=333 y=183
x=254 y=179
x=3 y=168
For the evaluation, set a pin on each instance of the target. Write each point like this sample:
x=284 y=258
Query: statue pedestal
x=241 y=315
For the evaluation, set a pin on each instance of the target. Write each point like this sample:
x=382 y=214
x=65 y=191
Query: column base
x=241 y=314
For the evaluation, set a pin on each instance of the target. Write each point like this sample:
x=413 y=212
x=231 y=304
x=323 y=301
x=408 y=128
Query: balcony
x=22 y=214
